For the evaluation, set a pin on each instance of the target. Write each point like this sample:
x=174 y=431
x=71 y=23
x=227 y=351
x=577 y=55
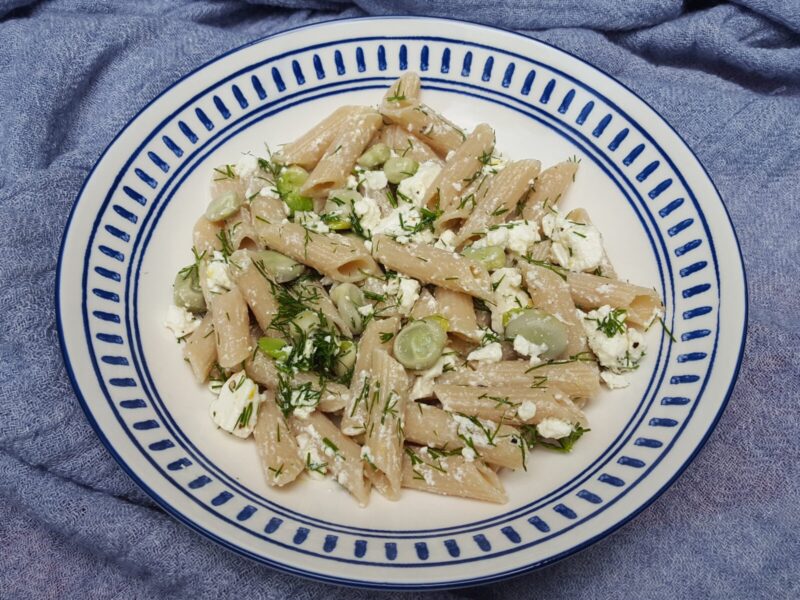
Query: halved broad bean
x=348 y=299
x=375 y=156
x=398 y=168
x=419 y=344
x=281 y=268
x=492 y=257
x=304 y=323
x=289 y=183
x=539 y=327
x=346 y=359
x=186 y=290
x=273 y=347
x=339 y=206
x=222 y=207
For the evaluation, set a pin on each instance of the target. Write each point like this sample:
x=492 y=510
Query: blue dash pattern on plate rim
x=259 y=91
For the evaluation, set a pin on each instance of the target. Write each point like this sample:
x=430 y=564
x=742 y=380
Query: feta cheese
x=423 y=385
x=368 y=213
x=527 y=410
x=235 y=409
x=218 y=277
x=495 y=164
x=575 y=246
x=468 y=454
x=553 y=428
x=414 y=187
x=445 y=241
x=270 y=192
x=405 y=290
x=308 y=444
x=375 y=180
x=525 y=348
x=491 y=353
x=399 y=224
x=470 y=430
x=619 y=352
x=246 y=167
x=351 y=183
x=614 y=380
x=180 y=321
x=508 y=295
x=366 y=310
x=311 y=221
x=366 y=454
x=517 y=236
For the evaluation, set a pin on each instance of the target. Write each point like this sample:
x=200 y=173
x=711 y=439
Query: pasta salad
x=390 y=302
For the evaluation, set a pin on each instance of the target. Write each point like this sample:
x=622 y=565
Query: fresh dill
x=613 y=323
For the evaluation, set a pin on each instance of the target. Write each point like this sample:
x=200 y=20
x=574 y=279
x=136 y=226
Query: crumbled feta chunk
x=468 y=453
x=366 y=310
x=495 y=164
x=405 y=290
x=525 y=348
x=375 y=180
x=516 y=236
x=614 y=380
x=491 y=353
x=366 y=454
x=311 y=221
x=445 y=241
x=246 y=167
x=414 y=187
x=368 y=213
x=423 y=385
x=575 y=246
x=508 y=295
x=180 y=321
x=235 y=408
x=474 y=429
x=553 y=428
x=270 y=192
x=218 y=277
x=619 y=352
x=351 y=183
x=400 y=224
x=527 y=410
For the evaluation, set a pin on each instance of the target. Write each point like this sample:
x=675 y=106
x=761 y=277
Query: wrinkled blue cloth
x=73 y=72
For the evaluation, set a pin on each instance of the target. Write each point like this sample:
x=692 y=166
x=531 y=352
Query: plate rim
x=175 y=513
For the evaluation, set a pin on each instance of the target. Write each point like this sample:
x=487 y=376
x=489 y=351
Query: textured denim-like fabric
x=72 y=73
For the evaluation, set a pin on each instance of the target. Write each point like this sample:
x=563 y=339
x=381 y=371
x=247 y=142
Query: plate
x=665 y=225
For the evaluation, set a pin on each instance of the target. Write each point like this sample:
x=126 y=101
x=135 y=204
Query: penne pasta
x=641 y=304
x=500 y=200
x=338 y=257
x=231 y=328
x=434 y=265
x=200 y=349
x=340 y=157
x=549 y=189
x=459 y=311
x=206 y=236
x=240 y=231
x=252 y=281
x=275 y=443
x=427 y=470
x=326 y=450
x=408 y=145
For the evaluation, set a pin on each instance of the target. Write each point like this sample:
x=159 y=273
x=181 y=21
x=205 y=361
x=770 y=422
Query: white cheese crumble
x=525 y=348
x=445 y=241
x=230 y=407
x=405 y=291
x=468 y=454
x=366 y=310
x=527 y=410
x=351 y=183
x=368 y=213
x=554 y=429
x=308 y=443
x=491 y=353
x=495 y=164
x=508 y=295
x=423 y=385
x=575 y=246
x=516 y=236
x=414 y=187
x=619 y=352
x=246 y=167
x=218 y=277
x=311 y=221
x=614 y=380
x=366 y=454
x=399 y=224
x=375 y=180
x=269 y=192
x=180 y=321
x=468 y=429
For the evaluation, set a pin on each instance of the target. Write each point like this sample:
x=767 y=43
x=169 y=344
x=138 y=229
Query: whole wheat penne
x=231 y=328
x=200 y=349
x=408 y=145
x=577 y=378
x=425 y=306
x=225 y=180
x=494 y=442
x=339 y=257
x=548 y=190
x=275 y=443
x=463 y=168
x=317 y=299
x=340 y=157
x=206 y=236
x=255 y=287
x=550 y=293
x=324 y=449
x=434 y=265
x=507 y=403
x=377 y=335
x=459 y=311
x=240 y=231
x=641 y=304
x=307 y=150
x=429 y=471
x=500 y=200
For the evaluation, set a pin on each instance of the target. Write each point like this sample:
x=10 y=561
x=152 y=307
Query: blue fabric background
x=73 y=72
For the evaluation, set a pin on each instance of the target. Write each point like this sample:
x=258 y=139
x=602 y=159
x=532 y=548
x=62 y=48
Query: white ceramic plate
x=663 y=220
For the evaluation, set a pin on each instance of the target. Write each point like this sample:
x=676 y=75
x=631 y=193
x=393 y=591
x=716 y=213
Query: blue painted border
x=437 y=585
